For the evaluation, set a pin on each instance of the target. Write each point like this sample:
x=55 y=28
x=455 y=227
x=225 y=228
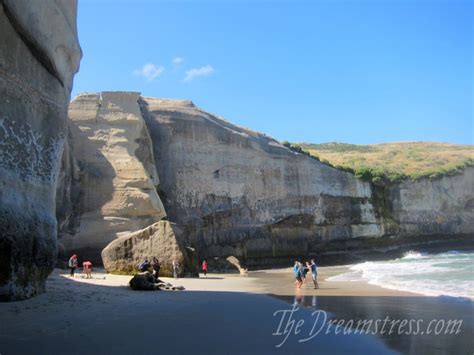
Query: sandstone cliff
x=242 y=193
x=442 y=207
x=233 y=191
x=114 y=170
x=39 y=55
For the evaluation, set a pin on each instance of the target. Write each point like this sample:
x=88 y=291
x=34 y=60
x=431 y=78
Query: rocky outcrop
x=39 y=55
x=143 y=282
x=236 y=263
x=161 y=240
x=113 y=168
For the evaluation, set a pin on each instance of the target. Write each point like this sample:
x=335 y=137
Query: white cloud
x=197 y=72
x=149 y=71
x=178 y=60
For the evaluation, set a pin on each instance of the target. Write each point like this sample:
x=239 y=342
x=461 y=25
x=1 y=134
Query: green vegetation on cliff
x=390 y=162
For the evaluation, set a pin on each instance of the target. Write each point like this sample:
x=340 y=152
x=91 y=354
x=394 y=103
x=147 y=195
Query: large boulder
x=114 y=169
x=39 y=55
x=161 y=240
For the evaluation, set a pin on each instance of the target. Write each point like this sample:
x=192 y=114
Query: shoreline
x=280 y=282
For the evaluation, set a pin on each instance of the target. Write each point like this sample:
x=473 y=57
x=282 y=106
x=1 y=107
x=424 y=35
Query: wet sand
x=427 y=331
x=281 y=282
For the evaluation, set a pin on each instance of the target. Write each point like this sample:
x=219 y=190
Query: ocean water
x=449 y=274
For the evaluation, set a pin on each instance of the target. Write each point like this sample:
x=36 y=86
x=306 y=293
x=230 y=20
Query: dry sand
x=277 y=282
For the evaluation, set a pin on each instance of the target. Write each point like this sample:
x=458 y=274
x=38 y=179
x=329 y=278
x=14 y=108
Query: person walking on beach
x=156 y=268
x=314 y=273
x=87 y=269
x=175 y=269
x=73 y=264
x=204 y=267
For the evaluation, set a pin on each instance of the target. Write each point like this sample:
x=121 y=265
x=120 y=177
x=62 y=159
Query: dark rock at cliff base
x=146 y=282
x=39 y=54
x=143 y=282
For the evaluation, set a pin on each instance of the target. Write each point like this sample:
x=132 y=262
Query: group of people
x=154 y=266
x=301 y=270
x=73 y=264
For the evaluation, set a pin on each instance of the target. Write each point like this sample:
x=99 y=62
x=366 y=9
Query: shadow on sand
x=75 y=317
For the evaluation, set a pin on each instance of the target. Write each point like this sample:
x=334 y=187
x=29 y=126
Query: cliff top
x=396 y=160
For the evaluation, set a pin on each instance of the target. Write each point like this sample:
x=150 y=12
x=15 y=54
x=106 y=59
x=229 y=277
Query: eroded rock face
x=242 y=193
x=161 y=240
x=116 y=173
x=237 y=192
x=39 y=55
x=442 y=207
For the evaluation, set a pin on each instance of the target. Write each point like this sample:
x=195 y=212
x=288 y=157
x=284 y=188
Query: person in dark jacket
x=73 y=264
x=156 y=268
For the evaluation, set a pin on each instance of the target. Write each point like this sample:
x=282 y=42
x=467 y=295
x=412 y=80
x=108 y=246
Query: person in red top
x=204 y=267
x=87 y=269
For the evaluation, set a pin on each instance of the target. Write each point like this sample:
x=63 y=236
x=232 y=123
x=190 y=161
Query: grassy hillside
x=393 y=161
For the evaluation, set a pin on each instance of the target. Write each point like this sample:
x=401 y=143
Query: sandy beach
x=221 y=313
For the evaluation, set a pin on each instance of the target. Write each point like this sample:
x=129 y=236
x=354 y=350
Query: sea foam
x=448 y=274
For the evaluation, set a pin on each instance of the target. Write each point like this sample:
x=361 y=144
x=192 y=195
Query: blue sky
x=366 y=71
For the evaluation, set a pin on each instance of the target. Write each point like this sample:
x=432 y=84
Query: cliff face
x=113 y=168
x=233 y=191
x=39 y=55
x=440 y=207
x=242 y=193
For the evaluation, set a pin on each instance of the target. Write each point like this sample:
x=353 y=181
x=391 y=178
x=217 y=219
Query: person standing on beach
x=314 y=273
x=156 y=268
x=204 y=267
x=305 y=270
x=73 y=264
x=175 y=269
x=297 y=272
x=87 y=269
